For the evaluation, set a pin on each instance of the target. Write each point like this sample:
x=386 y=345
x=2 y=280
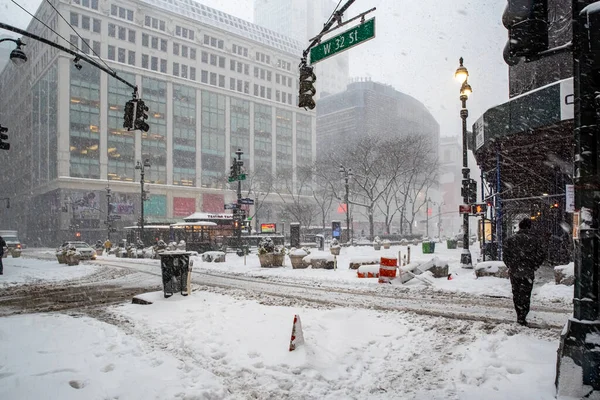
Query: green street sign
x=343 y=41
x=240 y=177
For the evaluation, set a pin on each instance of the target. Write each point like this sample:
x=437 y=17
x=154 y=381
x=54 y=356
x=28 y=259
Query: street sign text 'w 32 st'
x=343 y=41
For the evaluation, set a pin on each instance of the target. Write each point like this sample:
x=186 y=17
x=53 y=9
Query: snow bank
x=18 y=271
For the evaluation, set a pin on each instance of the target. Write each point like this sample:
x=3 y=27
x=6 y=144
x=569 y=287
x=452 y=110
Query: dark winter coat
x=523 y=253
x=2 y=245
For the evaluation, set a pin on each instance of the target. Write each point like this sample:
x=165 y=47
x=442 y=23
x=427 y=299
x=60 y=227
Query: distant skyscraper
x=302 y=20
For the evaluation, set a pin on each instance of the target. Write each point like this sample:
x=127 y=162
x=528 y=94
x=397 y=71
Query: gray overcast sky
x=416 y=49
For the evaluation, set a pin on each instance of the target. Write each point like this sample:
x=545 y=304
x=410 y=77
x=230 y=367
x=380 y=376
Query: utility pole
x=427 y=218
x=142 y=168
x=346 y=174
x=579 y=352
x=108 y=213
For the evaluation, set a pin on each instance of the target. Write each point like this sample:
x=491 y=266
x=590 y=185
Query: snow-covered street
x=230 y=338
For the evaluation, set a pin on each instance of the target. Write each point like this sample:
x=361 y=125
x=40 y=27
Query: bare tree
x=260 y=185
x=296 y=196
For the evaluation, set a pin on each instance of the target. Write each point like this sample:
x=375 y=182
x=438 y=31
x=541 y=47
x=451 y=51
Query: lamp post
x=142 y=168
x=461 y=75
x=346 y=174
x=108 y=215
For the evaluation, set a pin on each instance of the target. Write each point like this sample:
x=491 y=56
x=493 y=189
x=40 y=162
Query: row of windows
x=239 y=85
x=284 y=64
x=93 y=4
x=182 y=71
x=152 y=63
x=211 y=78
x=154 y=42
x=120 y=54
x=87 y=23
x=120 y=32
x=240 y=67
x=85 y=45
x=284 y=80
x=121 y=12
x=184 y=51
x=239 y=50
x=262 y=74
x=263 y=58
x=213 y=42
x=184 y=32
x=213 y=59
x=155 y=23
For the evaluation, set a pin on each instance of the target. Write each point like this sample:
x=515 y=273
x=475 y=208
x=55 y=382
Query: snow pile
x=491 y=267
x=18 y=271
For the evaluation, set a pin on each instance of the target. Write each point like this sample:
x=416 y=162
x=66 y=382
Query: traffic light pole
x=579 y=352
x=465 y=256
x=238 y=232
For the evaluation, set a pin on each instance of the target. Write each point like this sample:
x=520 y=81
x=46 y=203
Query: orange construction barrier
x=387 y=269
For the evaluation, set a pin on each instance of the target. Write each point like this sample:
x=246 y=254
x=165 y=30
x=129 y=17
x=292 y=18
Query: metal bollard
x=408 y=251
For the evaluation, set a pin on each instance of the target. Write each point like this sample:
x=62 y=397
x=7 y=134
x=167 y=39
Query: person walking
x=2 y=245
x=523 y=253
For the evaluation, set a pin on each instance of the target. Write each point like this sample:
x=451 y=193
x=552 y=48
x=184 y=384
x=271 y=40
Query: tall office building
x=302 y=20
x=213 y=83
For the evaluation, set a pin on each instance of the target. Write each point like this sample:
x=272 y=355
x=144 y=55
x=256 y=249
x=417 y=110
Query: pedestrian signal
x=478 y=209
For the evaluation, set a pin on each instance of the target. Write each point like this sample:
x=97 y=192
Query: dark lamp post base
x=579 y=357
x=465 y=259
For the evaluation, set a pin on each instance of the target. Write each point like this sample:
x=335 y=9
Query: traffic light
x=129 y=115
x=307 y=88
x=479 y=209
x=141 y=115
x=527 y=24
x=469 y=191
x=4 y=136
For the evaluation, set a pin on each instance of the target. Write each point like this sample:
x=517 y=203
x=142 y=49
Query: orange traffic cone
x=297 y=338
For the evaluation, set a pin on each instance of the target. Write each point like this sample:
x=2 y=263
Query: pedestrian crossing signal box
x=479 y=209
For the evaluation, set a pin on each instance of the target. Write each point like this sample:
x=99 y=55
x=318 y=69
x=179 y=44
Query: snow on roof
x=197 y=223
x=204 y=216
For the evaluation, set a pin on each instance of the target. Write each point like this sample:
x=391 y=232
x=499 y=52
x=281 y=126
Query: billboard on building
x=268 y=228
x=183 y=206
x=156 y=205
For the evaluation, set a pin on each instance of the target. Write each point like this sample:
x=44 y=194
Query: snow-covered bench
x=491 y=268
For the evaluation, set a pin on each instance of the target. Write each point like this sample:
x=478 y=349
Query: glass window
x=204 y=76
x=192 y=54
x=74 y=39
x=176 y=69
x=122 y=12
x=213 y=78
x=176 y=49
x=145 y=61
x=232 y=65
x=154 y=23
x=129 y=15
x=96 y=47
x=132 y=36
x=184 y=51
x=122 y=33
x=221 y=62
x=121 y=58
x=111 y=52
x=154 y=41
x=163 y=45
x=154 y=64
x=204 y=57
x=131 y=60
x=178 y=30
x=206 y=39
x=113 y=9
x=231 y=84
x=246 y=69
x=222 y=81
x=163 y=66
x=191 y=34
x=162 y=25
x=97 y=25
x=94 y=4
x=85 y=22
x=184 y=71
x=213 y=59
x=74 y=19
x=145 y=39
x=147 y=20
x=193 y=73
x=220 y=44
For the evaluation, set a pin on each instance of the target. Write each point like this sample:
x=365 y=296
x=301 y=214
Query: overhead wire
x=77 y=33
x=43 y=23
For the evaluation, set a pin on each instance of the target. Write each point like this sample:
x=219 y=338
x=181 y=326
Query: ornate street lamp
x=461 y=75
x=142 y=168
x=17 y=56
x=346 y=174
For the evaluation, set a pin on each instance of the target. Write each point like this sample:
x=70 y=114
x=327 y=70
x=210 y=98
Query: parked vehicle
x=86 y=251
x=13 y=244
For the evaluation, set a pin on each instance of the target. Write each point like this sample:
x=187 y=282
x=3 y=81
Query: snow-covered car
x=86 y=251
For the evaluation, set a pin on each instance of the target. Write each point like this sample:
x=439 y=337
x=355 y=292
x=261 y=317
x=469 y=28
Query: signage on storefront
x=268 y=228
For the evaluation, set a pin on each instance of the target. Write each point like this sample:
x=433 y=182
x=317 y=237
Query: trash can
x=428 y=247
x=176 y=270
x=451 y=243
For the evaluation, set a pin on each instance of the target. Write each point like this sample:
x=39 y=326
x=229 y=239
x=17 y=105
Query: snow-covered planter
x=270 y=255
x=213 y=256
x=15 y=253
x=72 y=257
x=334 y=248
x=357 y=262
x=386 y=244
x=377 y=243
x=320 y=260
x=296 y=256
x=564 y=274
x=491 y=268
x=61 y=255
x=451 y=244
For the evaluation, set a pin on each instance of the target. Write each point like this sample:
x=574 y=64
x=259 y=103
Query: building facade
x=303 y=20
x=213 y=83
